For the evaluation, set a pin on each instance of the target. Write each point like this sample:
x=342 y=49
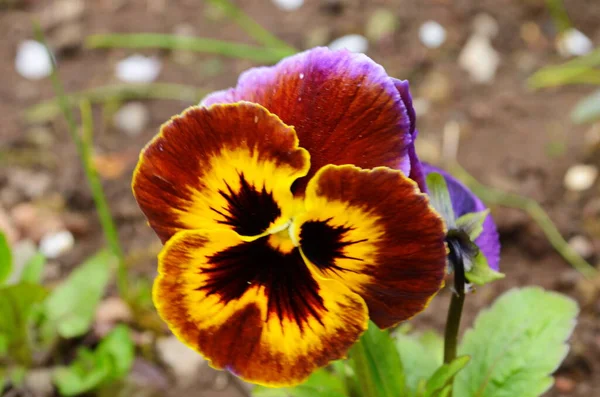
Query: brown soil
x=512 y=138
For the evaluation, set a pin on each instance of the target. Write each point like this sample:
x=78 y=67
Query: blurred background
x=504 y=87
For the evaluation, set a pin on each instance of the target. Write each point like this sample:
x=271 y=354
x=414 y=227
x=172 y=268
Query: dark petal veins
x=249 y=211
x=323 y=243
x=292 y=292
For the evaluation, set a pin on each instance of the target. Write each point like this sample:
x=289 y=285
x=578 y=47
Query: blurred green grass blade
x=5 y=258
x=559 y=14
x=580 y=70
x=559 y=76
x=492 y=195
x=587 y=110
x=85 y=154
x=254 y=29
x=197 y=44
x=72 y=305
x=50 y=109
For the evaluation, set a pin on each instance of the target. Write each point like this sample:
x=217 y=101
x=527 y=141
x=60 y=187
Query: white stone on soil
x=479 y=59
x=580 y=177
x=582 y=245
x=132 y=118
x=432 y=34
x=184 y=362
x=288 y=5
x=574 y=43
x=32 y=60
x=351 y=42
x=55 y=244
x=138 y=69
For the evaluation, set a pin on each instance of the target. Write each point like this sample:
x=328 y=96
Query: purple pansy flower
x=289 y=217
x=464 y=202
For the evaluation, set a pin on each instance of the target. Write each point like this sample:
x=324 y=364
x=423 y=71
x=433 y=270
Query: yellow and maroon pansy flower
x=279 y=244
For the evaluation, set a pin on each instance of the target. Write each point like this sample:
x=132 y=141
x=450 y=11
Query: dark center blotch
x=323 y=243
x=291 y=290
x=249 y=211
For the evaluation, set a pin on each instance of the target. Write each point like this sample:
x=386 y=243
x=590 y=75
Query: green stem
x=535 y=211
x=198 y=44
x=255 y=30
x=106 y=219
x=84 y=150
x=48 y=110
x=456 y=303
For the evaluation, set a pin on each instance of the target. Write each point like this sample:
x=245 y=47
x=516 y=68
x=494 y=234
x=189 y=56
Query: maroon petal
x=343 y=106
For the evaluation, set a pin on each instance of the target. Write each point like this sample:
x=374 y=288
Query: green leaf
x=111 y=361
x=421 y=355
x=377 y=364
x=472 y=223
x=587 y=110
x=34 y=268
x=480 y=272
x=16 y=307
x=5 y=258
x=440 y=198
x=516 y=344
x=321 y=383
x=72 y=305
x=442 y=378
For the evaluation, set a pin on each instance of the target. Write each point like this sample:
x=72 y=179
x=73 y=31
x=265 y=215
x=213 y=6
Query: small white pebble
x=580 y=177
x=421 y=106
x=138 y=69
x=479 y=59
x=288 y=5
x=582 y=245
x=54 y=245
x=485 y=25
x=432 y=34
x=574 y=43
x=132 y=118
x=32 y=60
x=351 y=42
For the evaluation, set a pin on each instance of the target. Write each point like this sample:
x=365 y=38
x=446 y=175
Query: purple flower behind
x=464 y=202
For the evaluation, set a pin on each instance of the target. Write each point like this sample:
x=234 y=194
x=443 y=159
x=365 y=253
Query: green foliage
x=440 y=382
x=421 y=356
x=472 y=223
x=322 y=383
x=34 y=268
x=516 y=344
x=587 y=110
x=377 y=364
x=71 y=306
x=111 y=361
x=16 y=308
x=480 y=272
x=5 y=259
x=440 y=198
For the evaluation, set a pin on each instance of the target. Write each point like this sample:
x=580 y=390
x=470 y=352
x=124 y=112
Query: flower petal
x=374 y=231
x=464 y=202
x=253 y=309
x=344 y=107
x=226 y=166
x=416 y=171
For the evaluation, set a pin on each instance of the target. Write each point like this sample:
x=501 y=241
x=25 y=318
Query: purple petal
x=464 y=202
x=344 y=107
x=416 y=171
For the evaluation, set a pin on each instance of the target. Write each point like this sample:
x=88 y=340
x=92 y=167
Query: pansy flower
x=287 y=217
x=476 y=222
